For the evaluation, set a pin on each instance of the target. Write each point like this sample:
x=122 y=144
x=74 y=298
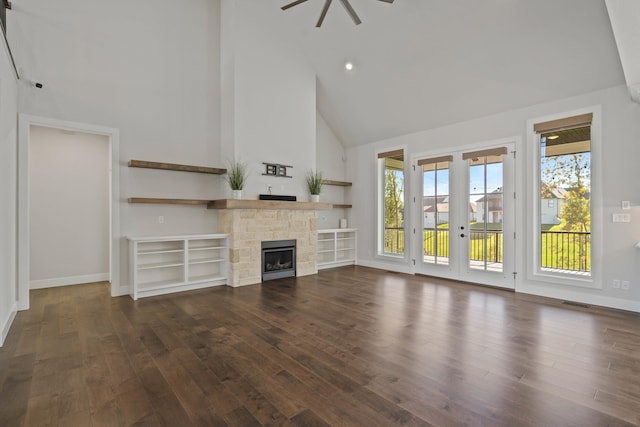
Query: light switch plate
x=626 y=204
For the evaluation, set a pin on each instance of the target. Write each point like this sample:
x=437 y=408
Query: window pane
x=565 y=201
x=436 y=214
x=486 y=213
x=394 y=205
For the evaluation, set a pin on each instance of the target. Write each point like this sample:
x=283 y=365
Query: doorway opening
x=30 y=132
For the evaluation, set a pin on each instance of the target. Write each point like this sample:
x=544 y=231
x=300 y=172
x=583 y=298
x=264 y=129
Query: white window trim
x=380 y=254
x=534 y=271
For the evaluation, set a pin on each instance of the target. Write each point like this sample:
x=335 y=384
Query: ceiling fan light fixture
x=350 y=11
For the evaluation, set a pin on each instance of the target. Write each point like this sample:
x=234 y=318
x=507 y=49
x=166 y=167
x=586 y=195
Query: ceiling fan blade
x=325 y=9
x=295 y=3
x=351 y=12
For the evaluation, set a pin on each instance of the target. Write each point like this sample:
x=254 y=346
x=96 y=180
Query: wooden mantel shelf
x=175 y=167
x=267 y=204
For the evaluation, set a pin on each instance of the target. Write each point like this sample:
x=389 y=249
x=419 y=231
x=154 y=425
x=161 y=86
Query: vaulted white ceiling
x=421 y=64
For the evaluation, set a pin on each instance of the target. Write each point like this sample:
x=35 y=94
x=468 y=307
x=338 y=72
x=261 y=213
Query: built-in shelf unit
x=336 y=247
x=166 y=264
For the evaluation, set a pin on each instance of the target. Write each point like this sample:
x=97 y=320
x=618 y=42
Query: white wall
x=269 y=101
x=331 y=160
x=8 y=191
x=148 y=68
x=69 y=207
x=620 y=173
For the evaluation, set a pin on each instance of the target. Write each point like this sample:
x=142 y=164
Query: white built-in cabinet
x=166 y=264
x=336 y=247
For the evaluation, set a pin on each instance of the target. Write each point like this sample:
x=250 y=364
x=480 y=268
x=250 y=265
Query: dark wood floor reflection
x=350 y=346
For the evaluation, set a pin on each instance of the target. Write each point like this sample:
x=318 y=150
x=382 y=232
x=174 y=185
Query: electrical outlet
x=161 y=219
x=615 y=284
x=625 y=285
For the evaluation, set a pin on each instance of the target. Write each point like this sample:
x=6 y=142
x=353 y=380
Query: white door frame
x=25 y=122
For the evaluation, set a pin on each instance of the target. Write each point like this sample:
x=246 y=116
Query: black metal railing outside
x=566 y=250
x=394 y=240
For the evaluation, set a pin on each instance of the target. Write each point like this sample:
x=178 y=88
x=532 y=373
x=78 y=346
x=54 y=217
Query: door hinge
x=514 y=234
x=514 y=194
x=414 y=231
x=414 y=168
x=413 y=261
x=414 y=199
x=514 y=153
x=515 y=273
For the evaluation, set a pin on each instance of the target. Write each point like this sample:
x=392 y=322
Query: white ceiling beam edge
x=625 y=22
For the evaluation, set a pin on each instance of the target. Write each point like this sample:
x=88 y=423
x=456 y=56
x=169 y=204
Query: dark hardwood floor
x=351 y=346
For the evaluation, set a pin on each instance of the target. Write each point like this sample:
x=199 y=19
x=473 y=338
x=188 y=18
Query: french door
x=466 y=216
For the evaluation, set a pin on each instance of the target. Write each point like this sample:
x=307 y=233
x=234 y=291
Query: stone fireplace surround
x=249 y=227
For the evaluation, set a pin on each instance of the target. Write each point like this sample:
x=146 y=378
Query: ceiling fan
x=325 y=9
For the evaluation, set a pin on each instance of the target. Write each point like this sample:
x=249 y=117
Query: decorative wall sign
x=275 y=169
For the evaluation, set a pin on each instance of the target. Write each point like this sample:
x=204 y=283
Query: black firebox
x=278 y=259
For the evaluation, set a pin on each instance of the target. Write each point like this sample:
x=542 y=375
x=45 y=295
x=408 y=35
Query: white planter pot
x=236 y=194
x=315 y=198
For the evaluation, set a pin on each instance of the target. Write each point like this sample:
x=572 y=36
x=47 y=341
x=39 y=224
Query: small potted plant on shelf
x=314 y=182
x=236 y=177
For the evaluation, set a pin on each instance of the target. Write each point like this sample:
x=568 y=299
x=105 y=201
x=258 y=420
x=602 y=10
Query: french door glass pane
x=436 y=214
x=486 y=201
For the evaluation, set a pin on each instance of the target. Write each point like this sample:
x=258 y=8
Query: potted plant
x=314 y=182
x=236 y=177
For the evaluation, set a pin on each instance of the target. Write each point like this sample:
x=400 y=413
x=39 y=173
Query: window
x=436 y=209
x=392 y=198
x=564 y=220
x=486 y=201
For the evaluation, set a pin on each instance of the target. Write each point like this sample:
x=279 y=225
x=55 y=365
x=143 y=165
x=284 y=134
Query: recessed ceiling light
x=348 y=66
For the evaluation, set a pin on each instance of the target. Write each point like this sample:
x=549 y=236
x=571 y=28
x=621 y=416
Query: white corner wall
x=331 y=160
x=69 y=207
x=153 y=73
x=8 y=191
x=269 y=101
x=620 y=175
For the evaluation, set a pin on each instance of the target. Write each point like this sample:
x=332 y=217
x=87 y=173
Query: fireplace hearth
x=278 y=259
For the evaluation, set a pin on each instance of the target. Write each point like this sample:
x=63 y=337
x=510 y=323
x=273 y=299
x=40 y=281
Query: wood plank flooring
x=351 y=346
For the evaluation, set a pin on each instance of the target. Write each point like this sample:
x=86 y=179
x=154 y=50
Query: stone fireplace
x=248 y=228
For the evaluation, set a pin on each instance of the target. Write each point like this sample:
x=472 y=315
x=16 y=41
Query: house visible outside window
x=564 y=217
x=392 y=235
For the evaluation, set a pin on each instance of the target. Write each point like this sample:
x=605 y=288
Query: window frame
x=380 y=201
x=534 y=270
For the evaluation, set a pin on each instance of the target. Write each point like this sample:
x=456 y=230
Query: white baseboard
x=120 y=291
x=398 y=267
x=579 y=297
x=66 y=281
x=6 y=324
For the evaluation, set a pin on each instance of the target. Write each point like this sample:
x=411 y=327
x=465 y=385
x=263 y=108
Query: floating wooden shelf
x=175 y=167
x=267 y=204
x=168 y=201
x=240 y=204
x=338 y=183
